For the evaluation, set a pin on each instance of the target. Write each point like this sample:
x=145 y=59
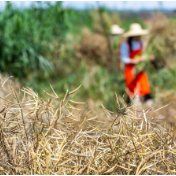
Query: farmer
x=115 y=49
x=131 y=55
x=115 y=31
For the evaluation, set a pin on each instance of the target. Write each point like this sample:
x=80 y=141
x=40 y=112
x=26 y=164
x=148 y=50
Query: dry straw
x=161 y=40
x=52 y=135
x=94 y=48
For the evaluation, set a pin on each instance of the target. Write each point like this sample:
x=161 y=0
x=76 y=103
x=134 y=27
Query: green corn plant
x=25 y=36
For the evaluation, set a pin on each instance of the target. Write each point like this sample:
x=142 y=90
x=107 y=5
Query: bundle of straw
x=141 y=66
x=51 y=135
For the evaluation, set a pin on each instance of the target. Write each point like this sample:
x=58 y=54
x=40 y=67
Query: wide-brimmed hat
x=115 y=30
x=135 y=30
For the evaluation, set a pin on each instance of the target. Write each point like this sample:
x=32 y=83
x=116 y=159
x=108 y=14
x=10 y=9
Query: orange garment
x=136 y=83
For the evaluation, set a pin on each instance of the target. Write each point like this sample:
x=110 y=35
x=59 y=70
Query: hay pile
x=93 y=47
x=162 y=40
x=50 y=135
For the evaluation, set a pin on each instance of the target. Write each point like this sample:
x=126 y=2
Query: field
x=62 y=98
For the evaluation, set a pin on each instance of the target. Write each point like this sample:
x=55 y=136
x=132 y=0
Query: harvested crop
x=54 y=135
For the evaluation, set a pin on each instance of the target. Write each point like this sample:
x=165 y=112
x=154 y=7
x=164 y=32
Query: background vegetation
x=68 y=47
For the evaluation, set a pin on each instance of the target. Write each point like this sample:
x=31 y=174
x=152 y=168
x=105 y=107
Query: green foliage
x=101 y=85
x=163 y=79
x=77 y=19
x=24 y=38
x=37 y=45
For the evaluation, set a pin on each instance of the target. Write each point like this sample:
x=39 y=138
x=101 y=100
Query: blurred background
x=67 y=43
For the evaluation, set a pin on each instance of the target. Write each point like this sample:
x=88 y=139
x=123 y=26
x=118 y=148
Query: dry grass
x=53 y=135
x=94 y=48
x=91 y=48
x=161 y=40
x=5 y=88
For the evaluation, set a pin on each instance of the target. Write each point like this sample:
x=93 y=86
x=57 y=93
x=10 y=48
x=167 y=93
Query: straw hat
x=115 y=30
x=135 y=30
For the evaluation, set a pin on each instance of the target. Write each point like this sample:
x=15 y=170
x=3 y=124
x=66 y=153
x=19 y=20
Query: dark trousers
x=143 y=98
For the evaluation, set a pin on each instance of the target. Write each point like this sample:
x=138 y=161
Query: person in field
x=131 y=55
x=115 y=32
